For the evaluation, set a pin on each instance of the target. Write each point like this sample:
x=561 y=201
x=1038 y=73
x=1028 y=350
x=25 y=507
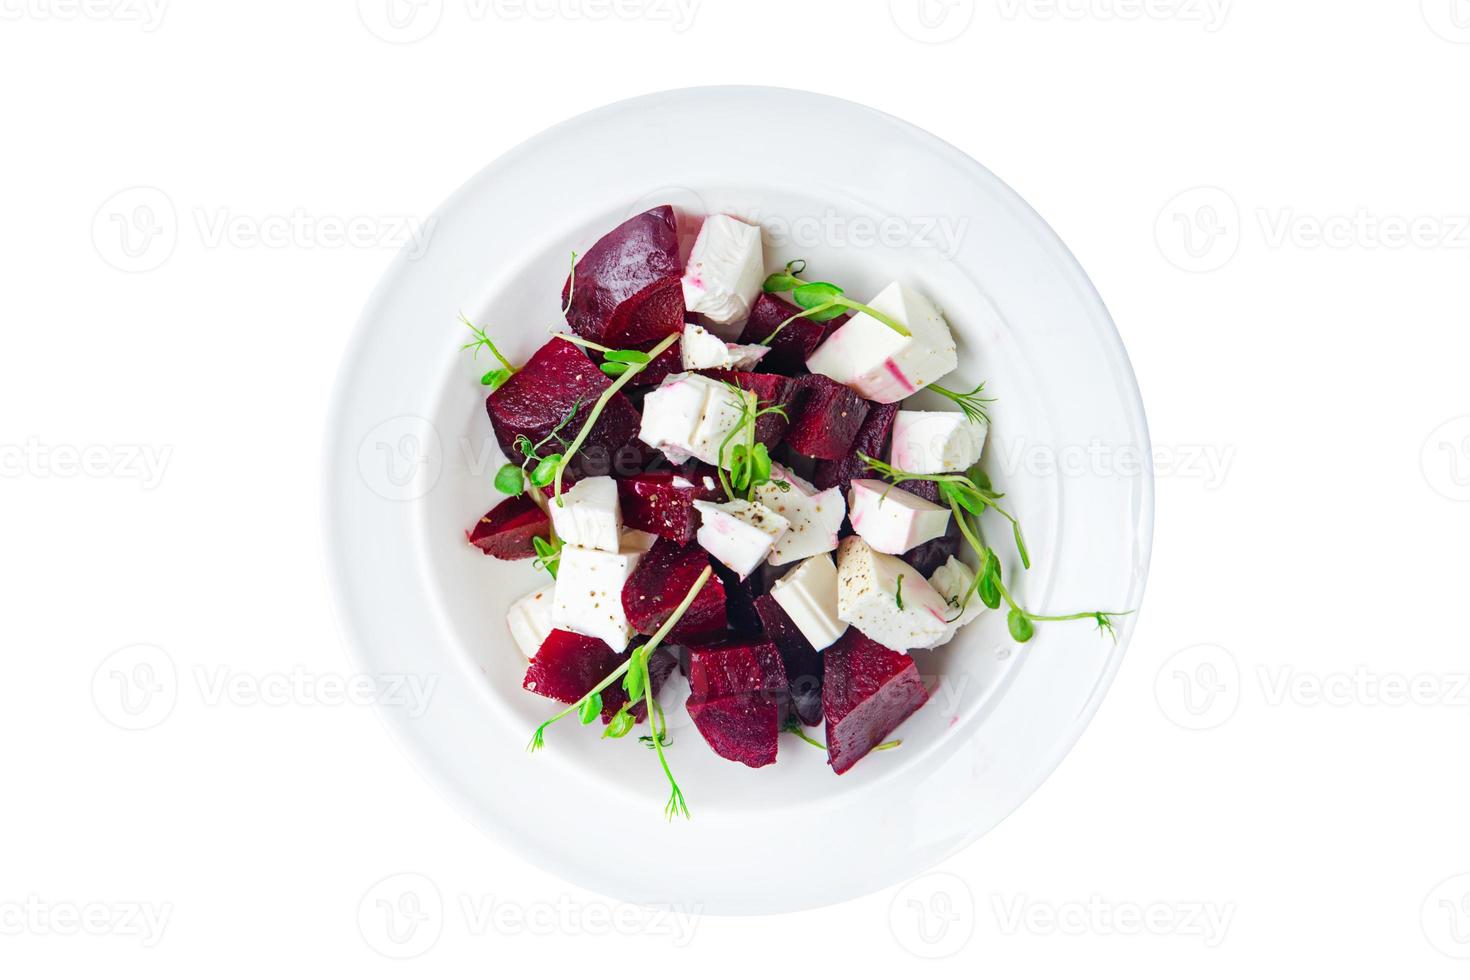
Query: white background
x=1271 y=198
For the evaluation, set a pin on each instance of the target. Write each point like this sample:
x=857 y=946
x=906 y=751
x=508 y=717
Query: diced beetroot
x=738 y=699
x=827 y=418
x=660 y=582
x=931 y=554
x=538 y=398
x=802 y=661
x=506 y=531
x=734 y=666
x=770 y=390
x=871 y=440
x=867 y=691
x=793 y=345
x=626 y=289
x=739 y=727
x=568 y=665
x=740 y=601
x=660 y=503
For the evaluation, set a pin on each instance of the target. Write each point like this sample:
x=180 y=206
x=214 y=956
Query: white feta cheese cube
x=726 y=269
x=870 y=357
x=815 y=516
x=808 y=594
x=529 y=619
x=936 y=442
x=892 y=520
x=887 y=599
x=740 y=533
x=952 y=581
x=670 y=413
x=701 y=349
x=589 y=514
x=588 y=597
x=689 y=415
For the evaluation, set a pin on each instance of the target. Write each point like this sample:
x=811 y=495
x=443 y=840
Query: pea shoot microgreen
x=795 y=729
x=628 y=373
x=971 y=491
x=748 y=461
x=512 y=479
x=495 y=378
x=970 y=402
x=990 y=586
x=548 y=554
x=819 y=301
x=636 y=683
x=614 y=361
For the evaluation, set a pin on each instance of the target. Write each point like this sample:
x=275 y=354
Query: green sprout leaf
x=620 y=725
x=547 y=555
x=494 y=379
x=510 y=480
x=1020 y=625
x=898 y=593
x=591 y=708
x=545 y=470
x=627 y=356
x=812 y=295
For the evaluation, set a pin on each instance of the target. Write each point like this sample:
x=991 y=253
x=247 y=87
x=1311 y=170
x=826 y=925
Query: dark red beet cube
x=793 y=345
x=739 y=727
x=506 y=531
x=827 y=418
x=740 y=600
x=662 y=579
x=871 y=440
x=735 y=666
x=626 y=290
x=539 y=396
x=662 y=504
x=770 y=390
x=802 y=661
x=738 y=699
x=568 y=665
x=867 y=691
x=931 y=554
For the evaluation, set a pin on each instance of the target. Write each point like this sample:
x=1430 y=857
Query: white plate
x=865 y=198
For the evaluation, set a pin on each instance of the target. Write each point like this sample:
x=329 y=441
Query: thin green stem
x=572 y=338
x=539 y=738
x=482 y=339
x=603 y=399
